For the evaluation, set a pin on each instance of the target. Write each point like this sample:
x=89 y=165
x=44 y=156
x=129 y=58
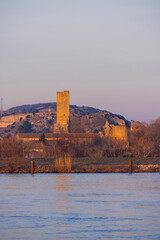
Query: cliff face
x=5 y=121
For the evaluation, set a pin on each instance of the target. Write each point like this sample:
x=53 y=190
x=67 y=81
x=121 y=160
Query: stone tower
x=62 y=123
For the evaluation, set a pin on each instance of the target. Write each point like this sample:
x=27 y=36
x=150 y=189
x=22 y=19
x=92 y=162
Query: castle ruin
x=62 y=123
x=115 y=131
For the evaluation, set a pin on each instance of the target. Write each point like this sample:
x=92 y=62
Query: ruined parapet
x=62 y=123
x=115 y=131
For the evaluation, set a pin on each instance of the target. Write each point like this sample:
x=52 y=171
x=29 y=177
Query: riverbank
x=79 y=165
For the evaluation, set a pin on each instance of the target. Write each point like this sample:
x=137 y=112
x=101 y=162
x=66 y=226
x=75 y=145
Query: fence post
x=32 y=167
x=130 y=166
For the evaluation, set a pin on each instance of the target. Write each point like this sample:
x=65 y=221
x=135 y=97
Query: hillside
x=43 y=115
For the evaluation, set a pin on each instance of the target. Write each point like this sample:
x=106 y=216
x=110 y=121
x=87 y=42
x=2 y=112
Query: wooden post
x=159 y=167
x=32 y=167
x=130 y=166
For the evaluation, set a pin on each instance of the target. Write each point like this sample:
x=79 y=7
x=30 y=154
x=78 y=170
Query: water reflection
x=62 y=183
x=62 y=186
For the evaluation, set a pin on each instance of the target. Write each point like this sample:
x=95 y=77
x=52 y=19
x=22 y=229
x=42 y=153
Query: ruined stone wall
x=120 y=132
x=62 y=123
x=116 y=131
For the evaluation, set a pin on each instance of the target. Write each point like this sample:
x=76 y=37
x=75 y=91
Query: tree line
x=144 y=141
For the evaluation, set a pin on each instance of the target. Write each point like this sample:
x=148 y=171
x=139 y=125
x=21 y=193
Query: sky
x=105 y=52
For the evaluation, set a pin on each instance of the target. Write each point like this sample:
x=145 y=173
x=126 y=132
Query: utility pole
x=1 y=106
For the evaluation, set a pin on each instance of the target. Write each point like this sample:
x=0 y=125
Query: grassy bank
x=78 y=165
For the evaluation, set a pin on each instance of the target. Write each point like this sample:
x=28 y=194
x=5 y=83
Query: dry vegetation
x=100 y=155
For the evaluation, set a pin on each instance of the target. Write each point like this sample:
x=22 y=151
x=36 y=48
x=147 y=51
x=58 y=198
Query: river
x=80 y=206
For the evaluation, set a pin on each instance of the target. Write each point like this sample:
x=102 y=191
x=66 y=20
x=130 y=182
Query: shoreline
x=106 y=169
x=79 y=165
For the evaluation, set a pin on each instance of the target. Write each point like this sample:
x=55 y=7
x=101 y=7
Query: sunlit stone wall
x=62 y=124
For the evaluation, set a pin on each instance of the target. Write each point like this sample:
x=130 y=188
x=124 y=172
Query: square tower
x=62 y=123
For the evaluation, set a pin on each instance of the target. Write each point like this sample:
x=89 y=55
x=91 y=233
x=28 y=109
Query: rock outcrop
x=5 y=121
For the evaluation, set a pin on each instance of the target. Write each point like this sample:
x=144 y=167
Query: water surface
x=80 y=206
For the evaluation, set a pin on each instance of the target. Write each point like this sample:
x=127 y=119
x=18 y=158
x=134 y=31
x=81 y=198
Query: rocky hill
x=42 y=116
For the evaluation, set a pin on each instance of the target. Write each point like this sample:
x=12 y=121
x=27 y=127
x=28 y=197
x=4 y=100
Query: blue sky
x=107 y=53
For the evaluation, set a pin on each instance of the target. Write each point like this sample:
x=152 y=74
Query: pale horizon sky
x=105 y=52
